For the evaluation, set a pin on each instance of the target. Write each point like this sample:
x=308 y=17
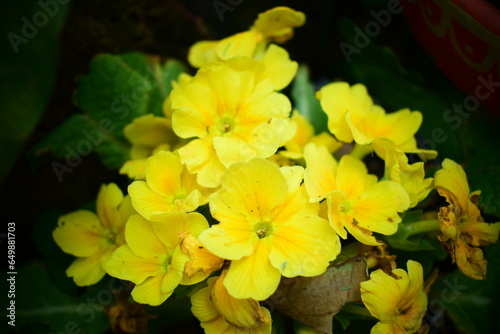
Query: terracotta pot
x=463 y=38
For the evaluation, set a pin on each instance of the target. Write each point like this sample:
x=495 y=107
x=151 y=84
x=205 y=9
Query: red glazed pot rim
x=482 y=12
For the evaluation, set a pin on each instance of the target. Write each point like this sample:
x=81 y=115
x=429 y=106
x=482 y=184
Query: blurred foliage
x=30 y=55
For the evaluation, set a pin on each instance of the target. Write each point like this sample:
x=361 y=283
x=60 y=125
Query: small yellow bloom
x=274 y=25
x=233 y=115
x=352 y=116
x=267 y=229
x=219 y=312
x=93 y=238
x=169 y=188
x=463 y=228
x=152 y=258
x=304 y=135
x=356 y=201
x=411 y=177
x=398 y=301
x=277 y=24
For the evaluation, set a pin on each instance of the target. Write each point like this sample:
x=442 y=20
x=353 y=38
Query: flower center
x=263 y=230
x=165 y=262
x=225 y=125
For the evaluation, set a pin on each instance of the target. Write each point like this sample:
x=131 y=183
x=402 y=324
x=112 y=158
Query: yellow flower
x=169 y=188
x=398 y=301
x=233 y=115
x=353 y=116
x=304 y=135
x=267 y=229
x=152 y=258
x=356 y=201
x=463 y=228
x=411 y=177
x=219 y=312
x=93 y=238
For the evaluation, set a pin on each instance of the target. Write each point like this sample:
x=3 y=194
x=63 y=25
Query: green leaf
x=402 y=240
x=472 y=305
x=39 y=301
x=118 y=89
x=28 y=67
x=483 y=173
x=305 y=101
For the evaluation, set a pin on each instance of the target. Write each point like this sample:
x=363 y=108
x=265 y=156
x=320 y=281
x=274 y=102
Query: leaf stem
x=357 y=309
x=422 y=226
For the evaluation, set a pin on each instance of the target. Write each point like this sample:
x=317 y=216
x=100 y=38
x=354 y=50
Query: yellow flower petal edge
x=398 y=301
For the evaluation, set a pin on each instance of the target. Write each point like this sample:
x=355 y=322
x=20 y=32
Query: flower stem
x=360 y=151
x=357 y=309
x=422 y=226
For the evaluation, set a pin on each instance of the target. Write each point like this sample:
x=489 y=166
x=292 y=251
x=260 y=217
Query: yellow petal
x=87 y=270
x=202 y=52
x=378 y=207
x=175 y=270
x=168 y=228
x=258 y=185
x=125 y=264
x=241 y=44
x=202 y=305
x=470 y=260
x=195 y=108
x=451 y=182
x=253 y=276
x=163 y=172
x=381 y=295
x=201 y=259
x=352 y=177
x=149 y=203
x=481 y=234
x=242 y=313
x=320 y=174
x=126 y=210
x=277 y=24
x=142 y=239
x=279 y=68
x=79 y=233
x=149 y=131
x=108 y=200
x=149 y=291
x=336 y=99
x=134 y=169
x=201 y=158
x=229 y=241
x=303 y=247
